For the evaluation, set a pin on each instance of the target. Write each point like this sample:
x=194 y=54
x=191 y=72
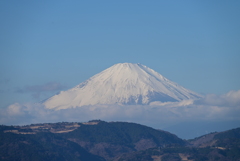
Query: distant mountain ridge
x=123 y=83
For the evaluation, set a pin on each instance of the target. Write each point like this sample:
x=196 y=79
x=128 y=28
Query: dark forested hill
x=226 y=139
x=115 y=138
x=119 y=141
x=40 y=146
x=218 y=146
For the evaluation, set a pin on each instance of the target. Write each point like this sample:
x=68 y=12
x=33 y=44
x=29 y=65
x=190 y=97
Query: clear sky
x=48 y=46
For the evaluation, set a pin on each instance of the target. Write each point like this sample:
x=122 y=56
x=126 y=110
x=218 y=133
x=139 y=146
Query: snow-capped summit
x=123 y=83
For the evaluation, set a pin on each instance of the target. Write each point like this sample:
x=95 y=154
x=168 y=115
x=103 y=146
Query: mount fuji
x=124 y=84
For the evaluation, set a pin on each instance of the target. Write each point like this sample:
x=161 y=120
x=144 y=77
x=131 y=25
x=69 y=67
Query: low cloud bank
x=159 y=115
x=230 y=99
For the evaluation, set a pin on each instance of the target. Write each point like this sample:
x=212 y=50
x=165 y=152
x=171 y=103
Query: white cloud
x=210 y=108
x=231 y=98
x=172 y=104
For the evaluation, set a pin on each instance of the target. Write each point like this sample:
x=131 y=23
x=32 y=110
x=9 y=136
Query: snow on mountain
x=123 y=83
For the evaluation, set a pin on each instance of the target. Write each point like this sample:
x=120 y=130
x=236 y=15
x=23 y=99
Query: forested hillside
x=119 y=141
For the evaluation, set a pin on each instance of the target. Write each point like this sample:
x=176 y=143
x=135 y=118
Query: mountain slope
x=74 y=141
x=123 y=83
x=218 y=146
x=110 y=140
x=115 y=141
x=227 y=139
x=40 y=146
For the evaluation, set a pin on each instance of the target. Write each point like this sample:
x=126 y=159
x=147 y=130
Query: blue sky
x=48 y=46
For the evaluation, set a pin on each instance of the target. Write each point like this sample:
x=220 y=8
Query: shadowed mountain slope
x=112 y=141
x=40 y=146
